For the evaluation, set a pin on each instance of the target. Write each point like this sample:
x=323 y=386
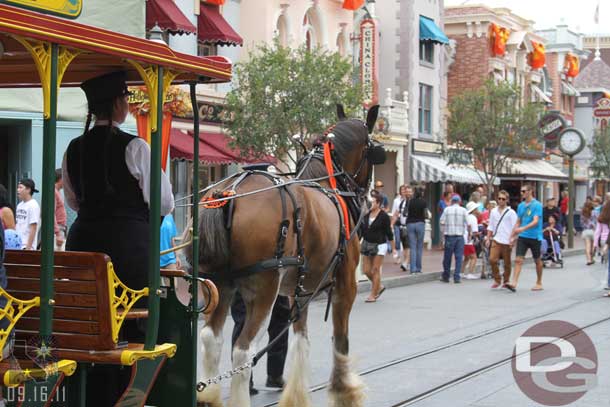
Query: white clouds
x=577 y=14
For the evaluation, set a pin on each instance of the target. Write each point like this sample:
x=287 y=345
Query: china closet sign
x=62 y=8
x=368 y=61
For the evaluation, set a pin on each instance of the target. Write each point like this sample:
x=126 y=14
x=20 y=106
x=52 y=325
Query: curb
x=411 y=279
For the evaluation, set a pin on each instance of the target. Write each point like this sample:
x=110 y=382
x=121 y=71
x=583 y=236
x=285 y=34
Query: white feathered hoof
x=210 y=396
x=346 y=388
x=297 y=386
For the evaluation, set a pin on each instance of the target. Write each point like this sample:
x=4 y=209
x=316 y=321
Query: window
x=426 y=51
x=425 y=109
x=206 y=50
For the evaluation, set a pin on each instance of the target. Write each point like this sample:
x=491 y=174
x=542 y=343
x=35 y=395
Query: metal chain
x=226 y=375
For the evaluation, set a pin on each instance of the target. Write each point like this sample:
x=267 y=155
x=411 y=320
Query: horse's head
x=355 y=149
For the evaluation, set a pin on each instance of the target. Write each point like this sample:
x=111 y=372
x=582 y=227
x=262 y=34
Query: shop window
x=206 y=50
x=425 y=109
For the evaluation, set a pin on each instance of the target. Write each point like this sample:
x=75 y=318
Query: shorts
x=524 y=243
x=588 y=234
x=469 y=250
x=404 y=237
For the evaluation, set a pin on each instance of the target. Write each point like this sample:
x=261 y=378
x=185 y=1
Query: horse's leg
x=296 y=390
x=211 y=345
x=258 y=310
x=346 y=388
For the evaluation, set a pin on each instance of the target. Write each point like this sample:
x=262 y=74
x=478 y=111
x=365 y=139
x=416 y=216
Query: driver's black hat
x=106 y=87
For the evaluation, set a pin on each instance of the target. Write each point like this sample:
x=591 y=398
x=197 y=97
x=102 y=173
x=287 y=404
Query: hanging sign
x=368 y=61
x=62 y=8
x=550 y=126
x=603 y=108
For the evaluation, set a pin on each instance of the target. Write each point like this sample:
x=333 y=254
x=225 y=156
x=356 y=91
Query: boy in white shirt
x=27 y=214
x=470 y=253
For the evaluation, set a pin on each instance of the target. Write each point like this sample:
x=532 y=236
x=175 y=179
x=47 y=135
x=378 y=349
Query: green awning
x=429 y=31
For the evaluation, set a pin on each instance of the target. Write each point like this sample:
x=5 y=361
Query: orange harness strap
x=328 y=162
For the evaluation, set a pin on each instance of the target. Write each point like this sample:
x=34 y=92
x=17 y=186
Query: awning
x=168 y=17
x=214 y=29
x=568 y=89
x=532 y=170
x=213 y=149
x=429 y=31
x=181 y=147
x=437 y=169
x=543 y=97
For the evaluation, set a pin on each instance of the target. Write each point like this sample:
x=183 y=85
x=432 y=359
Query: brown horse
x=245 y=233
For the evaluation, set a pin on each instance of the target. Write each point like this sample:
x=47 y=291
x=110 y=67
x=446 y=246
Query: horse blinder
x=375 y=153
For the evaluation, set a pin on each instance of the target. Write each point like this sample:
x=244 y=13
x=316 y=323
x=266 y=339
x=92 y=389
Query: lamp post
x=571 y=142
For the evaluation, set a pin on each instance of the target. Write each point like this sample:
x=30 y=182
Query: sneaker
x=444 y=280
x=275 y=382
x=495 y=286
x=404 y=267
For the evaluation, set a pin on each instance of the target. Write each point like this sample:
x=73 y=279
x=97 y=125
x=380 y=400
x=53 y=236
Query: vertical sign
x=368 y=61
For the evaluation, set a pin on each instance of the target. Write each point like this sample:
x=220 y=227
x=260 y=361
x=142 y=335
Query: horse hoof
x=210 y=397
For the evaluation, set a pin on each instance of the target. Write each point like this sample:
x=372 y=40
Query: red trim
x=328 y=163
x=214 y=29
x=168 y=17
x=57 y=30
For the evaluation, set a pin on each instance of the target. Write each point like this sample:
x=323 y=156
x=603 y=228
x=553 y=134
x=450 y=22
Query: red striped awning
x=168 y=17
x=214 y=29
x=214 y=148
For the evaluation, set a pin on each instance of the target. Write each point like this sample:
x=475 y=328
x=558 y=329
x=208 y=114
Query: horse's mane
x=349 y=134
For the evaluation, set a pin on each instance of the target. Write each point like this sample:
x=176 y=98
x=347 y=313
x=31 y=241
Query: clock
x=571 y=141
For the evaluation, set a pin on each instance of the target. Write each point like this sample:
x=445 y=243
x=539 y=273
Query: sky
x=577 y=14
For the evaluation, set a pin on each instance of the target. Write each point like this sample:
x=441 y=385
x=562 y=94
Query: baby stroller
x=551 y=248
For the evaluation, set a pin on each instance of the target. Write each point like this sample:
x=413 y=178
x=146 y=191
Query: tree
x=600 y=151
x=281 y=92
x=495 y=125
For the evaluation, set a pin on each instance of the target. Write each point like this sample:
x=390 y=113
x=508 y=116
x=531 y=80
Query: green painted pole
x=49 y=137
x=571 y=204
x=195 y=216
x=154 y=278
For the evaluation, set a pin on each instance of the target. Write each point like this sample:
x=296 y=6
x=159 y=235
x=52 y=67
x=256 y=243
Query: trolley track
x=464 y=340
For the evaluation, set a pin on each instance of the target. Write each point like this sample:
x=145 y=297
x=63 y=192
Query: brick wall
x=465 y=11
x=470 y=68
x=551 y=64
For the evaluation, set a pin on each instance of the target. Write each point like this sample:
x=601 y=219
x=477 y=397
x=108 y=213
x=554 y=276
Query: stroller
x=551 y=248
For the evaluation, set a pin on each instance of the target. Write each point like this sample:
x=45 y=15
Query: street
x=420 y=337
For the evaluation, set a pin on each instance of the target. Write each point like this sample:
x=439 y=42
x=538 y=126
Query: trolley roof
x=103 y=51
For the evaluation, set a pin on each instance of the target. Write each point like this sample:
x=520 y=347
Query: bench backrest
x=81 y=315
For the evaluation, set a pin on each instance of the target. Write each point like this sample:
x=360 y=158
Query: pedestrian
x=276 y=356
x=416 y=228
x=564 y=207
x=106 y=178
x=455 y=223
x=168 y=241
x=551 y=238
x=376 y=232
x=4 y=322
x=61 y=226
x=470 y=235
x=7 y=216
x=399 y=223
x=551 y=209
x=607 y=198
x=502 y=221
x=385 y=202
x=601 y=231
x=28 y=214
x=588 y=219
x=528 y=234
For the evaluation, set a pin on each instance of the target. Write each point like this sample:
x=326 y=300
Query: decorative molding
x=469 y=32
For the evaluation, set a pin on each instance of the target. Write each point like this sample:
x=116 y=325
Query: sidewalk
x=432 y=265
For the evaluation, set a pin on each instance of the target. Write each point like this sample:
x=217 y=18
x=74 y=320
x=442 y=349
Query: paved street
x=418 y=318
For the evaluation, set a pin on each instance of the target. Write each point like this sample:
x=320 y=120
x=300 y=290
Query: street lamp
x=571 y=142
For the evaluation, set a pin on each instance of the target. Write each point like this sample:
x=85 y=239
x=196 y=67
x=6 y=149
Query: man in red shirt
x=60 y=214
x=563 y=206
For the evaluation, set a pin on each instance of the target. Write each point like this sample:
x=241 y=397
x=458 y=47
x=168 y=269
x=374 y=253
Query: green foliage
x=280 y=92
x=495 y=124
x=600 y=149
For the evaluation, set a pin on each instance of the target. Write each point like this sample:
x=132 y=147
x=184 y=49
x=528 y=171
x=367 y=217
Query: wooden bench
x=90 y=306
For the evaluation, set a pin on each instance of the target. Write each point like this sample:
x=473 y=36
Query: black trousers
x=276 y=357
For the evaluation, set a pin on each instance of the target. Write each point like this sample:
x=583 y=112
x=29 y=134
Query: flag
x=596 y=16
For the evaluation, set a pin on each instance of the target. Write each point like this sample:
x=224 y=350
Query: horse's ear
x=371 y=118
x=340 y=112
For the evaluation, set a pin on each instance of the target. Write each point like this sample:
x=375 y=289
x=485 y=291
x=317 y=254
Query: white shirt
x=473 y=225
x=137 y=158
x=505 y=229
x=396 y=204
x=454 y=220
x=28 y=213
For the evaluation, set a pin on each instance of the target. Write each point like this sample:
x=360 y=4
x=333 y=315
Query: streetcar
x=65 y=310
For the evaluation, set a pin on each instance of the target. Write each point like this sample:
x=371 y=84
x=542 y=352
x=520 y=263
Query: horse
x=295 y=239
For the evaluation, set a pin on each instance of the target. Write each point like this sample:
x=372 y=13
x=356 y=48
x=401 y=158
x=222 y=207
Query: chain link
x=226 y=375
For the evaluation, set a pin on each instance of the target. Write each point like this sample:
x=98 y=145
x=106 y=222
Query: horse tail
x=214 y=245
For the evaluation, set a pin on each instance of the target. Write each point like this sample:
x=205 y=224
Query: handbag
x=369 y=248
